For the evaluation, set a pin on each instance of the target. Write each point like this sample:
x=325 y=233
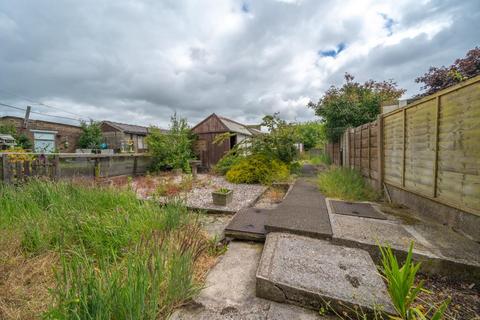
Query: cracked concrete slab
x=441 y=250
x=229 y=291
x=311 y=272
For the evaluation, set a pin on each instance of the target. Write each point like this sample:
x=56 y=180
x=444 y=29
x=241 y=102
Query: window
x=44 y=141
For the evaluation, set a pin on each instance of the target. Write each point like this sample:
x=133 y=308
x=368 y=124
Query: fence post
x=96 y=169
x=404 y=144
x=5 y=169
x=135 y=160
x=56 y=167
x=369 y=157
x=435 y=161
x=380 y=154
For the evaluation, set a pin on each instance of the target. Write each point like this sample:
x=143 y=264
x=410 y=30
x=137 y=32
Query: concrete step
x=311 y=272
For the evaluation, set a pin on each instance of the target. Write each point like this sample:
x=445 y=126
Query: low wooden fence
x=19 y=166
x=430 y=147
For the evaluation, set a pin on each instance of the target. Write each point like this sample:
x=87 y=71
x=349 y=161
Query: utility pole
x=27 y=116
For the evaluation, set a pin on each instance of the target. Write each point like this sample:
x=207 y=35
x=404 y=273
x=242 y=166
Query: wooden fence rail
x=17 y=167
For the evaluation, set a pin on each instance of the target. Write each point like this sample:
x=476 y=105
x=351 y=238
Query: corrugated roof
x=6 y=136
x=234 y=126
x=128 y=128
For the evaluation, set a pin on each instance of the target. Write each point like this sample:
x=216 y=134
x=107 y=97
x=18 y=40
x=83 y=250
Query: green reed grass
x=121 y=258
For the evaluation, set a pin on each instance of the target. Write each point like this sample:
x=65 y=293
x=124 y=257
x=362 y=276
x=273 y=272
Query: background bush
x=258 y=169
x=227 y=162
x=172 y=149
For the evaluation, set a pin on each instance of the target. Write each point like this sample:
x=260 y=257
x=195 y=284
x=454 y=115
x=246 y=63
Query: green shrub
x=172 y=149
x=91 y=136
x=258 y=169
x=227 y=162
x=345 y=183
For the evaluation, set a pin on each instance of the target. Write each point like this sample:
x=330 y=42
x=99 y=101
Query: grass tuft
x=345 y=183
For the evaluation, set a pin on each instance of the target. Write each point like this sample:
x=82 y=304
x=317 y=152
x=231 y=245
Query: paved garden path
x=303 y=211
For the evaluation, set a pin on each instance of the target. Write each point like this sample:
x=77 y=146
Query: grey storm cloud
x=140 y=61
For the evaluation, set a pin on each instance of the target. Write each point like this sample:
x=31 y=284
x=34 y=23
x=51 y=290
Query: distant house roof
x=7 y=139
x=226 y=125
x=38 y=121
x=128 y=128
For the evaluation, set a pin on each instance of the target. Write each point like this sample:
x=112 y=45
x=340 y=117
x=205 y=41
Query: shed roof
x=234 y=126
x=128 y=128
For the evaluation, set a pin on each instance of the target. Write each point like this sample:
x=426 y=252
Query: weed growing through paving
x=402 y=289
x=345 y=183
x=119 y=258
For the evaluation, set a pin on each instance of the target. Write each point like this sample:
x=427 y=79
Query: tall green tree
x=353 y=104
x=91 y=137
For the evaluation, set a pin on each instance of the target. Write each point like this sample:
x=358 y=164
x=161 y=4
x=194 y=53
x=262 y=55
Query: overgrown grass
x=346 y=184
x=120 y=258
x=320 y=159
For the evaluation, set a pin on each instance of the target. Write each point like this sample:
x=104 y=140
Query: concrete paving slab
x=441 y=250
x=229 y=291
x=356 y=209
x=214 y=224
x=310 y=272
x=307 y=221
x=303 y=212
x=248 y=224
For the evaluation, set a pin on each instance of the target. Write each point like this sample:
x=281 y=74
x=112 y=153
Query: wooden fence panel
x=432 y=147
x=420 y=147
x=393 y=148
x=459 y=147
x=67 y=166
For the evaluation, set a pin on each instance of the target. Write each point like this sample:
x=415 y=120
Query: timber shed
x=212 y=126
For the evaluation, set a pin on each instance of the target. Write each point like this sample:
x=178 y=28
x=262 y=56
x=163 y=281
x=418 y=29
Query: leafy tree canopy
x=312 y=134
x=440 y=78
x=353 y=104
x=91 y=137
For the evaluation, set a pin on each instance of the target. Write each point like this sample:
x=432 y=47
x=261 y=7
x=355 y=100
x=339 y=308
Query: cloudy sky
x=138 y=61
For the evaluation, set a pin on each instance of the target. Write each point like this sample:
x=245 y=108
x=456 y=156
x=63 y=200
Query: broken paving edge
x=282 y=293
x=312 y=273
x=431 y=264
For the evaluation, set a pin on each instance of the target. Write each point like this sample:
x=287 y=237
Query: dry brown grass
x=24 y=281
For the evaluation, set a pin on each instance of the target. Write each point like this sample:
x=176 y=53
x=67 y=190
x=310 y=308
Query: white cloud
x=139 y=61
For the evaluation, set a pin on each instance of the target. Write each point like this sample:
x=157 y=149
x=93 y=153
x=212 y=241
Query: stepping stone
x=356 y=209
x=248 y=224
x=310 y=272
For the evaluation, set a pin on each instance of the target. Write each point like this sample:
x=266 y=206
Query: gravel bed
x=200 y=197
